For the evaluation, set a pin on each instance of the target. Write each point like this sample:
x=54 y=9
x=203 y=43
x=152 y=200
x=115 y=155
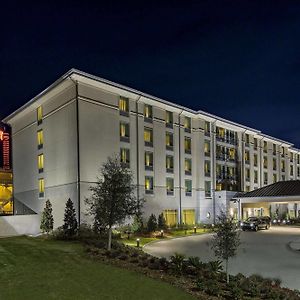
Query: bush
x=215 y=266
x=236 y=293
x=152 y=223
x=209 y=286
x=196 y=262
x=137 y=225
x=161 y=222
x=177 y=261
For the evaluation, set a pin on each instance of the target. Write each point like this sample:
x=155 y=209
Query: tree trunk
x=109 y=239
x=227 y=275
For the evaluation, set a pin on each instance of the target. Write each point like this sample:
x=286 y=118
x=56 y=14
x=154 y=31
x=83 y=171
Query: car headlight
x=242 y=223
x=251 y=224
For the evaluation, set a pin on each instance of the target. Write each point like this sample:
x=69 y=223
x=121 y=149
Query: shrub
x=161 y=222
x=137 y=225
x=209 y=286
x=70 y=221
x=152 y=223
x=195 y=262
x=123 y=257
x=236 y=293
x=164 y=264
x=215 y=266
x=177 y=261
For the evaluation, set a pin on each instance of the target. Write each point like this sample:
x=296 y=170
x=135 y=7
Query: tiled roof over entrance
x=278 y=189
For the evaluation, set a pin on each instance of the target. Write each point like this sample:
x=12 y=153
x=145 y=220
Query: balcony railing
x=226 y=140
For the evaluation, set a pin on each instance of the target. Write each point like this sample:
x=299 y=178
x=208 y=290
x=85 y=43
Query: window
x=39 y=115
x=125 y=156
x=265 y=146
x=188 y=166
x=41 y=188
x=282 y=166
x=282 y=151
x=274 y=149
x=247 y=188
x=255 y=143
x=207 y=168
x=220 y=134
x=231 y=154
x=169 y=164
x=207 y=148
x=124 y=106
x=188 y=187
x=265 y=178
x=171 y=217
x=207 y=188
x=187 y=145
x=40 y=139
x=148 y=137
x=187 y=124
x=255 y=176
x=291 y=171
x=247 y=139
x=282 y=177
x=149 y=160
x=291 y=157
x=274 y=178
x=255 y=160
x=247 y=157
x=265 y=162
x=148 y=113
x=149 y=185
x=124 y=132
x=169 y=140
x=298 y=159
x=247 y=174
x=298 y=171
x=207 y=128
x=41 y=163
x=169 y=119
x=274 y=164
x=170 y=186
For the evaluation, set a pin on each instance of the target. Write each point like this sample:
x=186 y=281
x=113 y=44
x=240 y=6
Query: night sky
x=237 y=59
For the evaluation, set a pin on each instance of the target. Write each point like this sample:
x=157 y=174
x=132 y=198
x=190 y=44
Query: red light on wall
x=6 y=152
x=1 y=135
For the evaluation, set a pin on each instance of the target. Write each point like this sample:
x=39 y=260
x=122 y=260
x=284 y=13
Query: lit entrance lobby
x=6 y=189
x=278 y=200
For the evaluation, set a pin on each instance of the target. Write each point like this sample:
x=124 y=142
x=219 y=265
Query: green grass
x=35 y=268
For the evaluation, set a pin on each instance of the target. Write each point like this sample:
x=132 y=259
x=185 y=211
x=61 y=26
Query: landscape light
x=138 y=243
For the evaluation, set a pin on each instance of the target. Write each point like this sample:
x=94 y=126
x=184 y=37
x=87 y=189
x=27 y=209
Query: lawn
x=35 y=268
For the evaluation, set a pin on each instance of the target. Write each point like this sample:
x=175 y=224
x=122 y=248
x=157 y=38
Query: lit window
x=148 y=112
x=170 y=186
x=207 y=187
x=125 y=156
x=169 y=119
x=124 y=132
x=41 y=163
x=169 y=140
x=40 y=139
x=274 y=178
x=188 y=166
x=220 y=133
x=247 y=157
x=149 y=185
x=187 y=145
x=207 y=128
x=148 y=137
x=188 y=187
x=149 y=160
x=265 y=162
x=265 y=146
x=207 y=168
x=207 y=148
x=187 y=124
x=41 y=187
x=247 y=188
x=169 y=164
x=124 y=106
x=232 y=154
x=282 y=151
x=39 y=115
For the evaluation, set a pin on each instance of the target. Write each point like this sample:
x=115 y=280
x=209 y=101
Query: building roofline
x=123 y=87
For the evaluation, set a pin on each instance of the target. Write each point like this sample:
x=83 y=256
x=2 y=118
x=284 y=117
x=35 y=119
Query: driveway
x=265 y=252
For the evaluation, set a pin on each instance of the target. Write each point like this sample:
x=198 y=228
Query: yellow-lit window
x=40 y=139
x=187 y=124
x=148 y=160
x=39 y=115
x=220 y=132
x=171 y=217
x=169 y=140
x=231 y=153
x=148 y=136
x=169 y=163
x=218 y=186
x=170 y=185
x=41 y=163
x=125 y=156
x=149 y=184
x=188 y=166
x=124 y=131
x=207 y=168
x=124 y=105
x=148 y=111
x=41 y=187
x=247 y=157
x=207 y=128
x=187 y=145
x=169 y=118
x=207 y=148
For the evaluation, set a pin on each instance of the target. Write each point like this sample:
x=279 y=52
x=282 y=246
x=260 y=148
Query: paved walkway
x=266 y=252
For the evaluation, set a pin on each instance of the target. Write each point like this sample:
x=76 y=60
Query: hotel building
x=187 y=164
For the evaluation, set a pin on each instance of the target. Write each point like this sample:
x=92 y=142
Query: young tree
x=226 y=240
x=70 y=221
x=152 y=223
x=113 y=199
x=161 y=222
x=47 y=218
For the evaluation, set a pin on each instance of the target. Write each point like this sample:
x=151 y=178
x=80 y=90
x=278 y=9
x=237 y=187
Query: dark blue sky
x=237 y=59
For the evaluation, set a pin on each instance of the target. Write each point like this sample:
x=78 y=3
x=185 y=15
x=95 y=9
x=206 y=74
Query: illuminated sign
x=1 y=135
x=5 y=139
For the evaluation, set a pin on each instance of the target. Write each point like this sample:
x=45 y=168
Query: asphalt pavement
x=272 y=253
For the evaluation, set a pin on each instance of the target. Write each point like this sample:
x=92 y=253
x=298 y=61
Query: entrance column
x=239 y=207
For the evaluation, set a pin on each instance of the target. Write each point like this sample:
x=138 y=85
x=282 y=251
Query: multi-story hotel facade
x=187 y=164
